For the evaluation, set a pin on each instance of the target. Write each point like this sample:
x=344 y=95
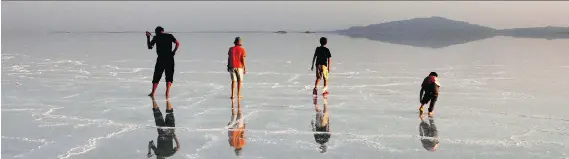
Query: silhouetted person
x=164 y=147
x=236 y=129
x=429 y=92
x=236 y=66
x=321 y=125
x=165 y=60
x=322 y=57
x=429 y=134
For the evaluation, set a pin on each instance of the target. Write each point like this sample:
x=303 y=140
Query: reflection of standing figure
x=164 y=147
x=236 y=132
x=321 y=125
x=429 y=134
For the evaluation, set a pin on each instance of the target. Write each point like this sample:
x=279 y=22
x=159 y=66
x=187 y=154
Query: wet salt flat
x=84 y=96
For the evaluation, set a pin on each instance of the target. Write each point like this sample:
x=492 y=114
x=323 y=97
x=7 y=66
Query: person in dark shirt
x=165 y=60
x=429 y=134
x=322 y=57
x=166 y=134
x=429 y=92
x=321 y=125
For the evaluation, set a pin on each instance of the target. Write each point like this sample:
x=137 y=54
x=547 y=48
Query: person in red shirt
x=236 y=66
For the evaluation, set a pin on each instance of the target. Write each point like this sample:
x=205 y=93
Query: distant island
x=439 y=32
x=281 y=32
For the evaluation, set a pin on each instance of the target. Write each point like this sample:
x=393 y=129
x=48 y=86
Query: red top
x=236 y=54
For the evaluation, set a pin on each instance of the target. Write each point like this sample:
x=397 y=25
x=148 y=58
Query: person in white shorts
x=236 y=66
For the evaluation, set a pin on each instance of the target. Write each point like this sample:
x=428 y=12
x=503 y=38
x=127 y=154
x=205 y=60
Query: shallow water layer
x=84 y=96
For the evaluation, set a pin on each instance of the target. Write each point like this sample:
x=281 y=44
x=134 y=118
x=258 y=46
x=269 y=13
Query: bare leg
x=168 y=85
x=154 y=104
x=316 y=83
x=431 y=108
x=239 y=89
x=315 y=90
x=421 y=108
x=168 y=105
x=325 y=89
x=154 y=86
x=232 y=89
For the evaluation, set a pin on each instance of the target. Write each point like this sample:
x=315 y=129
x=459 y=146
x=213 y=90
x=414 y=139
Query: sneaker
x=315 y=91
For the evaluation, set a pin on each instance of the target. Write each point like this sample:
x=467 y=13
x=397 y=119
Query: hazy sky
x=296 y=15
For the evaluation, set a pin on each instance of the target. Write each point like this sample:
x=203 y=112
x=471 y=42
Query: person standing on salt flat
x=322 y=57
x=165 y=59
x=236 y=66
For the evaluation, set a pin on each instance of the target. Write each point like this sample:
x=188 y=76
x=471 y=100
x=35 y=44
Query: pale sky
x=268 y=16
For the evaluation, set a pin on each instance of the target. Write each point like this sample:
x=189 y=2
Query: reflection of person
x=164 y=147
x=321 y=125
x=430 y=88
x=236 y=132
x=429 y=134
x=165 y=60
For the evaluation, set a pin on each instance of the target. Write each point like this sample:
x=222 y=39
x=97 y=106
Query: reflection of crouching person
x=166 y=133
x=429 y=135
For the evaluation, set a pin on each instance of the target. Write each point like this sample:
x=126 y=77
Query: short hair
x=236 y=41
x=323 y=41
x=159 y=29
x=433 y=74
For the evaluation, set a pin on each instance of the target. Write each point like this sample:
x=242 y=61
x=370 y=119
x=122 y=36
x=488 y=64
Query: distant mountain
x=439 y=32
x=540 y=32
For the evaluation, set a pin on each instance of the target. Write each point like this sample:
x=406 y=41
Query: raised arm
x=149 y=43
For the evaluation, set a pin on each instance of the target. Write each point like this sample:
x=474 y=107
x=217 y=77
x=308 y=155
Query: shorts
x=236 y=74
x=160 y=121
x=163 y=64
x=429 y=97
x=322 y=72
